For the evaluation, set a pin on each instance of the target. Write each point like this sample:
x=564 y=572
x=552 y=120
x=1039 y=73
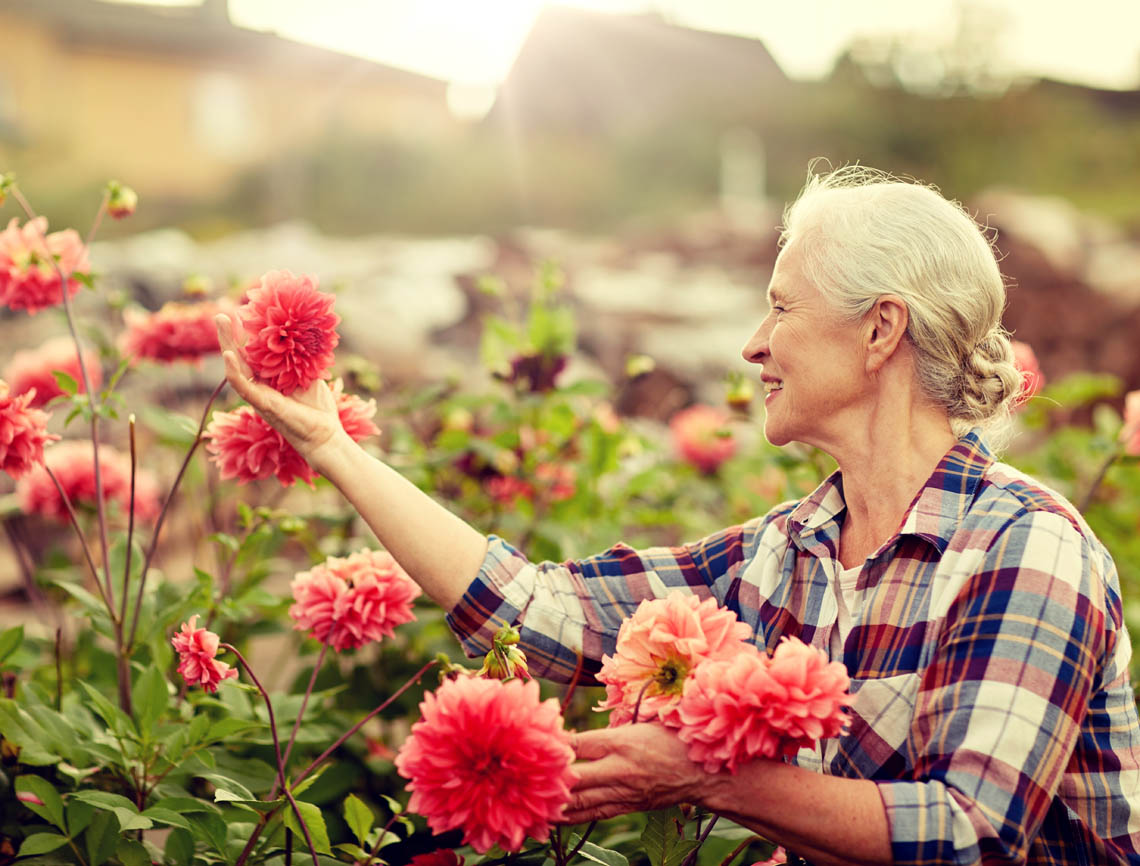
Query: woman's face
x=811 y=361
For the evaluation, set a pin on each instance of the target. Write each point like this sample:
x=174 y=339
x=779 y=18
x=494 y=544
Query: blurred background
x=400 y=149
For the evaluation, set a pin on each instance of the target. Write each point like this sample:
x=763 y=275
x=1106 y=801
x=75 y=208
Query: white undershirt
x=848 y=601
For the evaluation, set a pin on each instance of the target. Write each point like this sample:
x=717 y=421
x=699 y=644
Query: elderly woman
x=978 y=617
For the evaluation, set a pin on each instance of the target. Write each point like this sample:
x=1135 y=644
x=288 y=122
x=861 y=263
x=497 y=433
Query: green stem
x=736 y=851
x=1086 y=501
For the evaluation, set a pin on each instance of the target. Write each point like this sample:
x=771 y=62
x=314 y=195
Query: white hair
x=861 y=234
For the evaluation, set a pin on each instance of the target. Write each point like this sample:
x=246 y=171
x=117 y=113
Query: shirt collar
x=934 y=514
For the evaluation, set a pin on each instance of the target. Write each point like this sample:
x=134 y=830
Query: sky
x=1095 y=42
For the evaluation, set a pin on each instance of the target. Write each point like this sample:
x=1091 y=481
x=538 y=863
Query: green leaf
x=116 y=719
x=79 y=816
x=231 y=787
x=132 y=853
x=101 y=838
x=24 y=731
x=151 y=697
x=52 y=809
x=358 y=817
x=10 y=640
x=166 y=816
x=357 y=853
x=66 y=382
x=125 y=811
x=225 y=728
x=183 y=804
x=211 y=829
x=179 y=848
x=41 y=843
x=663 y=838
x=314 y=821
x=597 y=853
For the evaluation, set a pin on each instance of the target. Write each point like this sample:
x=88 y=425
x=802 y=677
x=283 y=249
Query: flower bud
x=639 y=365
x=121 y=200
x=459 y=419
x=197 y=286
x=503 y=663
x=739 y=394
x=7 y=181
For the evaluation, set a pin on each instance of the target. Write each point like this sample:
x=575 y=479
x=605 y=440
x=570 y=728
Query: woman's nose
x=756 y=349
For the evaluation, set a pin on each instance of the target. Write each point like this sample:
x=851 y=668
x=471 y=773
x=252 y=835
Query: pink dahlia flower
x=1130 y=432
x=245 y=447
x=197 y=648
x=659 y=646
x=73 y=464
x=702 y=437
x=32 y=369
x=779 y=857
x=355 y=413
x=292 y=331
x=491 y=758
x=505 y=489
x=753 y=706
x=176 y=332
x=23 y=432
x=1032 y=379
x=350 y=601
x=28 y=279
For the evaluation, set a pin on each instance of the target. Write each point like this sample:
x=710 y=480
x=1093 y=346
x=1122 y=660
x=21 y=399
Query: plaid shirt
x=988 y=656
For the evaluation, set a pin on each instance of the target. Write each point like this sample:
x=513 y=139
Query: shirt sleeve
x=999 y=708
x=573 y=609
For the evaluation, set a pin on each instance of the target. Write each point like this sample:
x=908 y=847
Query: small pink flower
x=348 y=602
x=505 y=489
x=176 y=332
x=32 y=369
x=555 y=481
x=197 y=649
x=491 y=758
x=355 y=413
x=28 y=278
x=753 y=706
x=702 y=437
x=292 y=331
x=73 y=464
x=23 y=433
x=659 y=646
x=441 y=857
x=1032 y=379
x=779 y=857
x=1130 y=432
x=29 y=797
x=243 y=446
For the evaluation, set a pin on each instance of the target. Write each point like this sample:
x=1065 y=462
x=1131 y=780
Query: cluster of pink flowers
x=702 y=437
x=73 y=464
x=690 y=665
x=245 y=447
x=197 y=650
x=31 y=369
x=23 y=432
x=176 y=332
x=553 y=482
x=28 y=277
x=1032 y=379
x=292 y=331
x=490 y=757
x=350 y=601
x=1130 y=432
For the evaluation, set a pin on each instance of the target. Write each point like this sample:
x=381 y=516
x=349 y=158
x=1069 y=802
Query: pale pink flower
x=73 y=464
x=23 y=433
x=32 y=369
x=490 y=757
x=292 y=331
x=175 y=332
x=702 y=437
x=1032 y=379
x=355 y=413
x=1130 y=432
x=197 y=649
x=28 y=279
x=350 y=601
x=659 y=646
x=754 y=706
x=243 y=446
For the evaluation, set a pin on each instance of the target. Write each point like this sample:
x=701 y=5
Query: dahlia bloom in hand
x=197 y=649
x=659 y=646
x=1130 y=432
x=73 y=464
x=28 y=277
x=701 y=436
x=1032 y=379
x=23 y=433
x=175 y=332
x=350 y=601
x=292 y=331
x=32 y=369
x=489 y=757
x=243 y=446
x=754 y=706
x=354 y=412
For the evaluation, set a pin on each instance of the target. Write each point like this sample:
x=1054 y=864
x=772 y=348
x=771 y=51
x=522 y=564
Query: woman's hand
x=307 y=419
x=631 y=768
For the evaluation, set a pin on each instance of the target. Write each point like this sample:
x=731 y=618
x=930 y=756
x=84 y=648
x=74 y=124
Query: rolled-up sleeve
x=999 y=708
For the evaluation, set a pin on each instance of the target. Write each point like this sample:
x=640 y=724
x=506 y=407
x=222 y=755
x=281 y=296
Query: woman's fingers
x=228 y=341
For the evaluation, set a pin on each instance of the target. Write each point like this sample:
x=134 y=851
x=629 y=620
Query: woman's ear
x=884 y=329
